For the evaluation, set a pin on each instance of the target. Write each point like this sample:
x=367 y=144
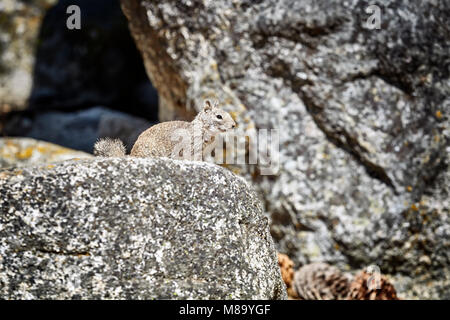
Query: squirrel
x=174 y=139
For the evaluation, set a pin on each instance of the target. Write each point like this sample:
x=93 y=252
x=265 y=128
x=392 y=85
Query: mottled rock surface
x=21 y=152
x=364 y=117
x=136 y=229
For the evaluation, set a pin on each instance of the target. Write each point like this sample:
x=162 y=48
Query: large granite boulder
x=135 y=229
x=363 y=112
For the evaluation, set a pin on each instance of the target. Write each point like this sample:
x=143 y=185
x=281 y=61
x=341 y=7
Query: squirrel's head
x=215 y=119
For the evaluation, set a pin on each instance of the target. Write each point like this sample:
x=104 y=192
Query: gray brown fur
x=174 y=139
x=109 y=148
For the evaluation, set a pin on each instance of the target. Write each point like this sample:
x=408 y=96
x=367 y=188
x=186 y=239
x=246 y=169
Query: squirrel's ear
x=207 y=106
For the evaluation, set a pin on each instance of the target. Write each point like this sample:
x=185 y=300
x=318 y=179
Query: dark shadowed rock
x=363 y=118
x=79 y=129
x=135 y=229
x=44 y=65
x=95 y=65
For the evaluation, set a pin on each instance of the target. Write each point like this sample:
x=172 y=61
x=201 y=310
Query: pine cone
x=360 y=291
x=287 y=270
x=320 y=281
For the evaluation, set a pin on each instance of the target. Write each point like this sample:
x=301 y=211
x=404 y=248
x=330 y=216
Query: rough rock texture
x=364 y=117
x=19 y=28
x=20 y=152
x=135 y=229
x=79 y=129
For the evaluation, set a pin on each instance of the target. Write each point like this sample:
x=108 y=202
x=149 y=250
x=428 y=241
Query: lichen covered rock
x=135 y=229
x=19 y=152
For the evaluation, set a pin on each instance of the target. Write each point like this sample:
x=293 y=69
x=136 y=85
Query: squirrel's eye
x=219 y=116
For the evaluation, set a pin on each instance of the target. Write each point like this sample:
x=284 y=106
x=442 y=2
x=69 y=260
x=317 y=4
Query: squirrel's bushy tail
x=108 y=147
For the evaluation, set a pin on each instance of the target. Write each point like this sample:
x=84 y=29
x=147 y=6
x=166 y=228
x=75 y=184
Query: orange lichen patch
x=409 y=188
x=236 y=171
x=438 y=114
x=33 y=22
x=61 y=151
x=50 y=166
x=42 y=149
x=51 y=149
x=414 y=207
x=242 y=108
x=10 y=143
x=425 y=217
x=238 y=109
x=228 y=100
x=25 y=153
x=233 y=115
